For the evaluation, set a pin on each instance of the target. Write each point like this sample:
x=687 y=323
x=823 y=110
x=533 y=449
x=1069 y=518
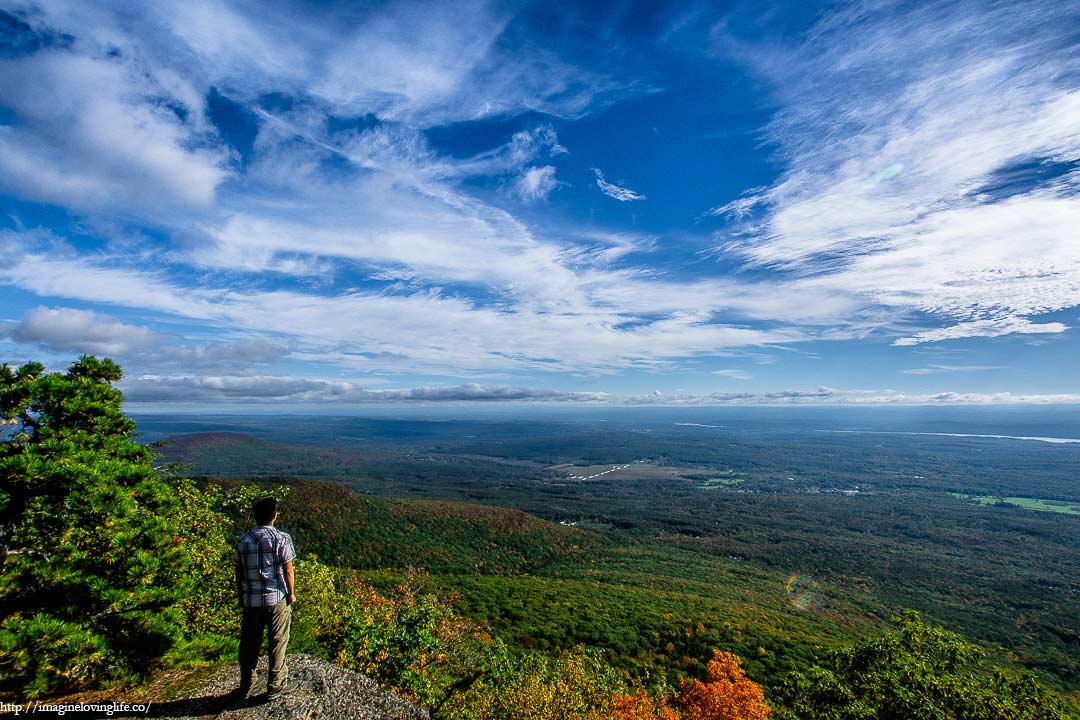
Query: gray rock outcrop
x=323 y=691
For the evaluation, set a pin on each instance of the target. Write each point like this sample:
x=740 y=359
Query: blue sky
x=696 y=203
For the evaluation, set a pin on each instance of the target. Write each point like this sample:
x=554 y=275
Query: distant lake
x=1054 y=440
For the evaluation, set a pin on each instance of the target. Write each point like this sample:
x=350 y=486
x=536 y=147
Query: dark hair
x=265 y=510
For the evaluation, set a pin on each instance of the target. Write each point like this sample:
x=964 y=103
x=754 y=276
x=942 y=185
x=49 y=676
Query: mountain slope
x=344 y=528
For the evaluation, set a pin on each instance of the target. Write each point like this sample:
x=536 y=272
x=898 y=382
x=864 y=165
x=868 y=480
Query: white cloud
x=898 y=125
x=741 y=207
x=416 y=62
x=140 y=349
x=81 y=331
x=422 y=330
x=392 y=208
x=403 y=214
x=984 y=328
x=105 y=133
x=832 y=396
x=116 y=119
x=213 y=356
x=733 y=374
x=535 y=183
x=432 y=64
x=523 y=148
x=614 y=191
x=413 y=227
x=396 y=265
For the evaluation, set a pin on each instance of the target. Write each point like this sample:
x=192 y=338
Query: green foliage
x=210 y=609
x=408 y=639
x=321 y=608
x=393 y=643
x=411 y=640
x=95 y=557
x=573 y=684
x=917 y=673
x=657 y=611
x=42 y=653
x=1002 y=576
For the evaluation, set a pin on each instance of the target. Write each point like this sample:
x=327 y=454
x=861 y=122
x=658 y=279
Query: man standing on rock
x=264 y=584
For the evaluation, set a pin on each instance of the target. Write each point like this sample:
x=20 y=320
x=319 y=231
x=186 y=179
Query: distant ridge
x=234 y=454
x=181 y=445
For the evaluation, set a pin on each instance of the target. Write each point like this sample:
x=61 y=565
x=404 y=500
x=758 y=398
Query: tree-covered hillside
x=852 y=521
x=113 y=569
x=346 y=529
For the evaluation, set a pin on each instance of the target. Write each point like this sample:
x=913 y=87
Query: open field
x=1032 y=504
x=703 y=478
x=611 y=472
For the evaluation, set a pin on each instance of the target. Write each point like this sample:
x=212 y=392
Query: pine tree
x=93 y=561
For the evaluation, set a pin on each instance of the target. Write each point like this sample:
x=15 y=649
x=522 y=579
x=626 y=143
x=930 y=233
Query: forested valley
x=492 y=568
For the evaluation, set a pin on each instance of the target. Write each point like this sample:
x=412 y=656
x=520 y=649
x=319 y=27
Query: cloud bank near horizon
x=182 y=389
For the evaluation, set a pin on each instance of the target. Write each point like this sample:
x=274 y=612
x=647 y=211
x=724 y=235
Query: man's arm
x=289 y=586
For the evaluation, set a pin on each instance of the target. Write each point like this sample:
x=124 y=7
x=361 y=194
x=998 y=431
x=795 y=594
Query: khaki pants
x=274 y=621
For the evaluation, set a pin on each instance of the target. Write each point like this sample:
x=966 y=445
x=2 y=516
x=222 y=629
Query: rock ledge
x=323 y=692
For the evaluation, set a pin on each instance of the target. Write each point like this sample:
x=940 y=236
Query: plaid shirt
x=260 y=555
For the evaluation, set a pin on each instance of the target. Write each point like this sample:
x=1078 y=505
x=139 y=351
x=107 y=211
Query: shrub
x=573 y=685
x=641 y=706
x=916 y=672
x=726 y=694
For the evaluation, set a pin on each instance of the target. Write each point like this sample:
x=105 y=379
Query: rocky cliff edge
x=322 y=691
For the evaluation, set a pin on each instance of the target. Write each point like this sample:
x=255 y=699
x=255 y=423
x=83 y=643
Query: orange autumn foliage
x=641 y=706
x=727 y=694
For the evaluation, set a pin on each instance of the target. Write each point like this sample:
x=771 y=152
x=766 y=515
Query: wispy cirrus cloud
x=432 y=64
x=423 y=64
x=313 y=202
x=992 y=327
x=115 y=117
x=733 y=374
x=429 y=331
x=741 y=207
x=621 y=194
x=931 y=157
x=535 y=183
x=364 y=191
x=938 y=369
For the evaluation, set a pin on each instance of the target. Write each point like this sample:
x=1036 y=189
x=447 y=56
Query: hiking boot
x=285 y=689
x=241 y=693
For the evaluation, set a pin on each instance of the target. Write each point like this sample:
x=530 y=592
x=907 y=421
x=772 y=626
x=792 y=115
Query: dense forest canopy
x=114 y=568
